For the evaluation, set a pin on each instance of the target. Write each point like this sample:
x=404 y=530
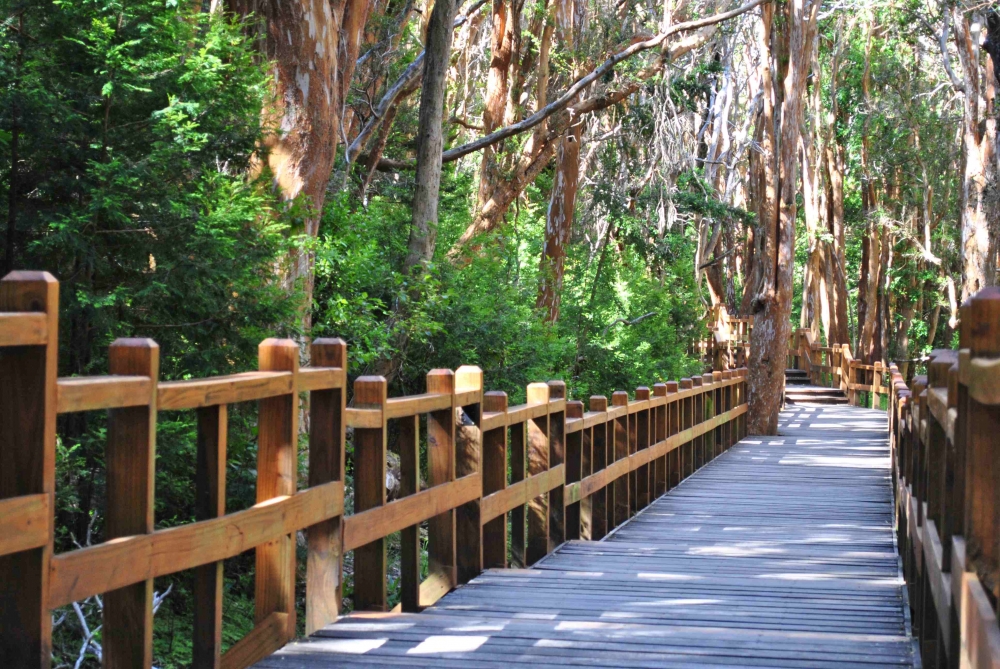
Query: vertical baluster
x=210 y=502
x=441 y=469
x=325 y=557
x=557 y=456
x=369 y=493
x=538 y=462
x=131 y=457
x=494 y=480
x=409 y=484
x=468 y=453
x=717 y=408
x=686 y=412
x=602 y=501
x=659 y=434
x=574 y=468
x=518 y=469
x=27 y=467
x=641 y=435
x=622 y=444
x=673 y=427
x=698 y=415
x=586 y=469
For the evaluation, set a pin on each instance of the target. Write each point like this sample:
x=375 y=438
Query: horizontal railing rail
x=505 y=485
x=945 y=429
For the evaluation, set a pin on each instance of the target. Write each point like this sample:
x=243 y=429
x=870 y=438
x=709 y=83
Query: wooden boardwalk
x=780 y=553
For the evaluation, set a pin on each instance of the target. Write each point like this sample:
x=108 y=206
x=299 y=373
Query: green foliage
x=136 y=123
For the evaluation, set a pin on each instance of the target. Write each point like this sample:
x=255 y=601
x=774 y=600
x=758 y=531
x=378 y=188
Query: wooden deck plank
x=779 y=553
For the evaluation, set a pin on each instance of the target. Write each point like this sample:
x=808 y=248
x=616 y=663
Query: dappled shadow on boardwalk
x=779 y=553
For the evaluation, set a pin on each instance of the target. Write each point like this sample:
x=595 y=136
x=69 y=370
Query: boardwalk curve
x=779 y=553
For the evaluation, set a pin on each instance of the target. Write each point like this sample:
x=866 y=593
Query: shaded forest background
x=190 y=176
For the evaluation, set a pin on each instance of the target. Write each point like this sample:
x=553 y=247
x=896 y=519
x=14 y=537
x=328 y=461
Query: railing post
x=983 y=426
x=131 y=459
x=277 y=475
x=602 y=501
x=538 y=462
x=574 y=470
x=441 y=551
x=369 y=493
x=621 y=441
x=494 y=480
x=557 y=456
x=468 y=446
x=27 y=467
x=940 y=459
x=327 y=431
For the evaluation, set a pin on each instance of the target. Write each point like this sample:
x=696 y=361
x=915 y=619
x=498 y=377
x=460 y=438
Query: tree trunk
x=312 y=71
x=559 y=224
x=495 y=104
x=979 y=241
x=772 y=325
x=430 y=137
x=839 y=319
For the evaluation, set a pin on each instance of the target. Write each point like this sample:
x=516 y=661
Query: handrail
x=573 y=475
x=943 y=428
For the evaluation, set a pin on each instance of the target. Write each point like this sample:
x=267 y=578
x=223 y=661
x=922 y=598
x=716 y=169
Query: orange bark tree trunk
x=559 y=224
x=773 y=305
x=313 y=45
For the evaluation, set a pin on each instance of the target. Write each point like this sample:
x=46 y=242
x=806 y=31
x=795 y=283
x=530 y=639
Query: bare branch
x=566 y=98
x=410 y=75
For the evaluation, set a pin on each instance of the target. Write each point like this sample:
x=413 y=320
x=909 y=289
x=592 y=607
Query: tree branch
x=625 y=321
x=564 y=100
x=410 y=75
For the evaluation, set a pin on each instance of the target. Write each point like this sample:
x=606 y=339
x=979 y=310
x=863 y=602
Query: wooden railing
x=835 y=367
x=945 y=432
x=728 y=345
x=572 y=474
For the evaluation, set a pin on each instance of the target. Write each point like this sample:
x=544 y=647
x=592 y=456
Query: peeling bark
x=559 y=225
